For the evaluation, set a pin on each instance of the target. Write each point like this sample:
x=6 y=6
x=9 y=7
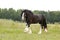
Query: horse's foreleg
x=30 y=32
x=27 y=29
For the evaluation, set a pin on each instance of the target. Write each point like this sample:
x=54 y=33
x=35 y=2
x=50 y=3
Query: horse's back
x=39 y=16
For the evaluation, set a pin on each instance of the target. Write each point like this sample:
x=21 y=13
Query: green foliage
x=54 y=16
x=36 y=12
x=10 y=14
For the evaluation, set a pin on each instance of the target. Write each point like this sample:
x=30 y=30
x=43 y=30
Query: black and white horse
x=31 y=18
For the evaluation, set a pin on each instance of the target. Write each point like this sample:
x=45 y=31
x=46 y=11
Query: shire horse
x=31 y=18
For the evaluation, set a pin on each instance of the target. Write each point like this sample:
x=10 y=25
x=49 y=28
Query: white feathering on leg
x=40 y=31
x=45 y=30
x=26 y=29
x=30 y=32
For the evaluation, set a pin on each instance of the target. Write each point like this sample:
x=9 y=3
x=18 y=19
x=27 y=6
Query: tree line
x=51 y=16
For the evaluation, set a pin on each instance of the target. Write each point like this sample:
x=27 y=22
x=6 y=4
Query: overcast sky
x=52 y=5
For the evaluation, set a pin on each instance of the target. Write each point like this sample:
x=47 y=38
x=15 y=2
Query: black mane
x=27 y=11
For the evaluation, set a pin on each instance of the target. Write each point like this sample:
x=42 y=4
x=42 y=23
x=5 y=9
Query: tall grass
x=13 y=30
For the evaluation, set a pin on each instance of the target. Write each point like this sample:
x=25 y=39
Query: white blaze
x=23 y=16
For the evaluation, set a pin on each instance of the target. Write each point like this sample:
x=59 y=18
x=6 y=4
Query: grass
x=13 y=30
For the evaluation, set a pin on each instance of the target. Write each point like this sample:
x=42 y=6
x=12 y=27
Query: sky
x=52 y=5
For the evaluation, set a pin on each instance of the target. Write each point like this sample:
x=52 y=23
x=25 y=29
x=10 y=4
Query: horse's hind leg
x=40 y=31
x=45 y=28
x=45 y=25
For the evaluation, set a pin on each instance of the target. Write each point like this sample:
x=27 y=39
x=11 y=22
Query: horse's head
x=25 y=14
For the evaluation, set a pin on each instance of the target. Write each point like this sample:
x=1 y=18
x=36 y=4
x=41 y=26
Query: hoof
x=29 y=32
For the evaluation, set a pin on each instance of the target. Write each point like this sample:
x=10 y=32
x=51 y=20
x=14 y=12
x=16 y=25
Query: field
x=13 y=30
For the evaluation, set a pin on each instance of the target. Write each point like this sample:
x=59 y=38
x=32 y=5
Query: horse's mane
x=27 y=11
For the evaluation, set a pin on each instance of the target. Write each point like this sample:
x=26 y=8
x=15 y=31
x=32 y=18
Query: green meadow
x=14 y=30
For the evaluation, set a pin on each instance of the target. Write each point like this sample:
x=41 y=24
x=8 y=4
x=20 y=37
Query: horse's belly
x=34 y=22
